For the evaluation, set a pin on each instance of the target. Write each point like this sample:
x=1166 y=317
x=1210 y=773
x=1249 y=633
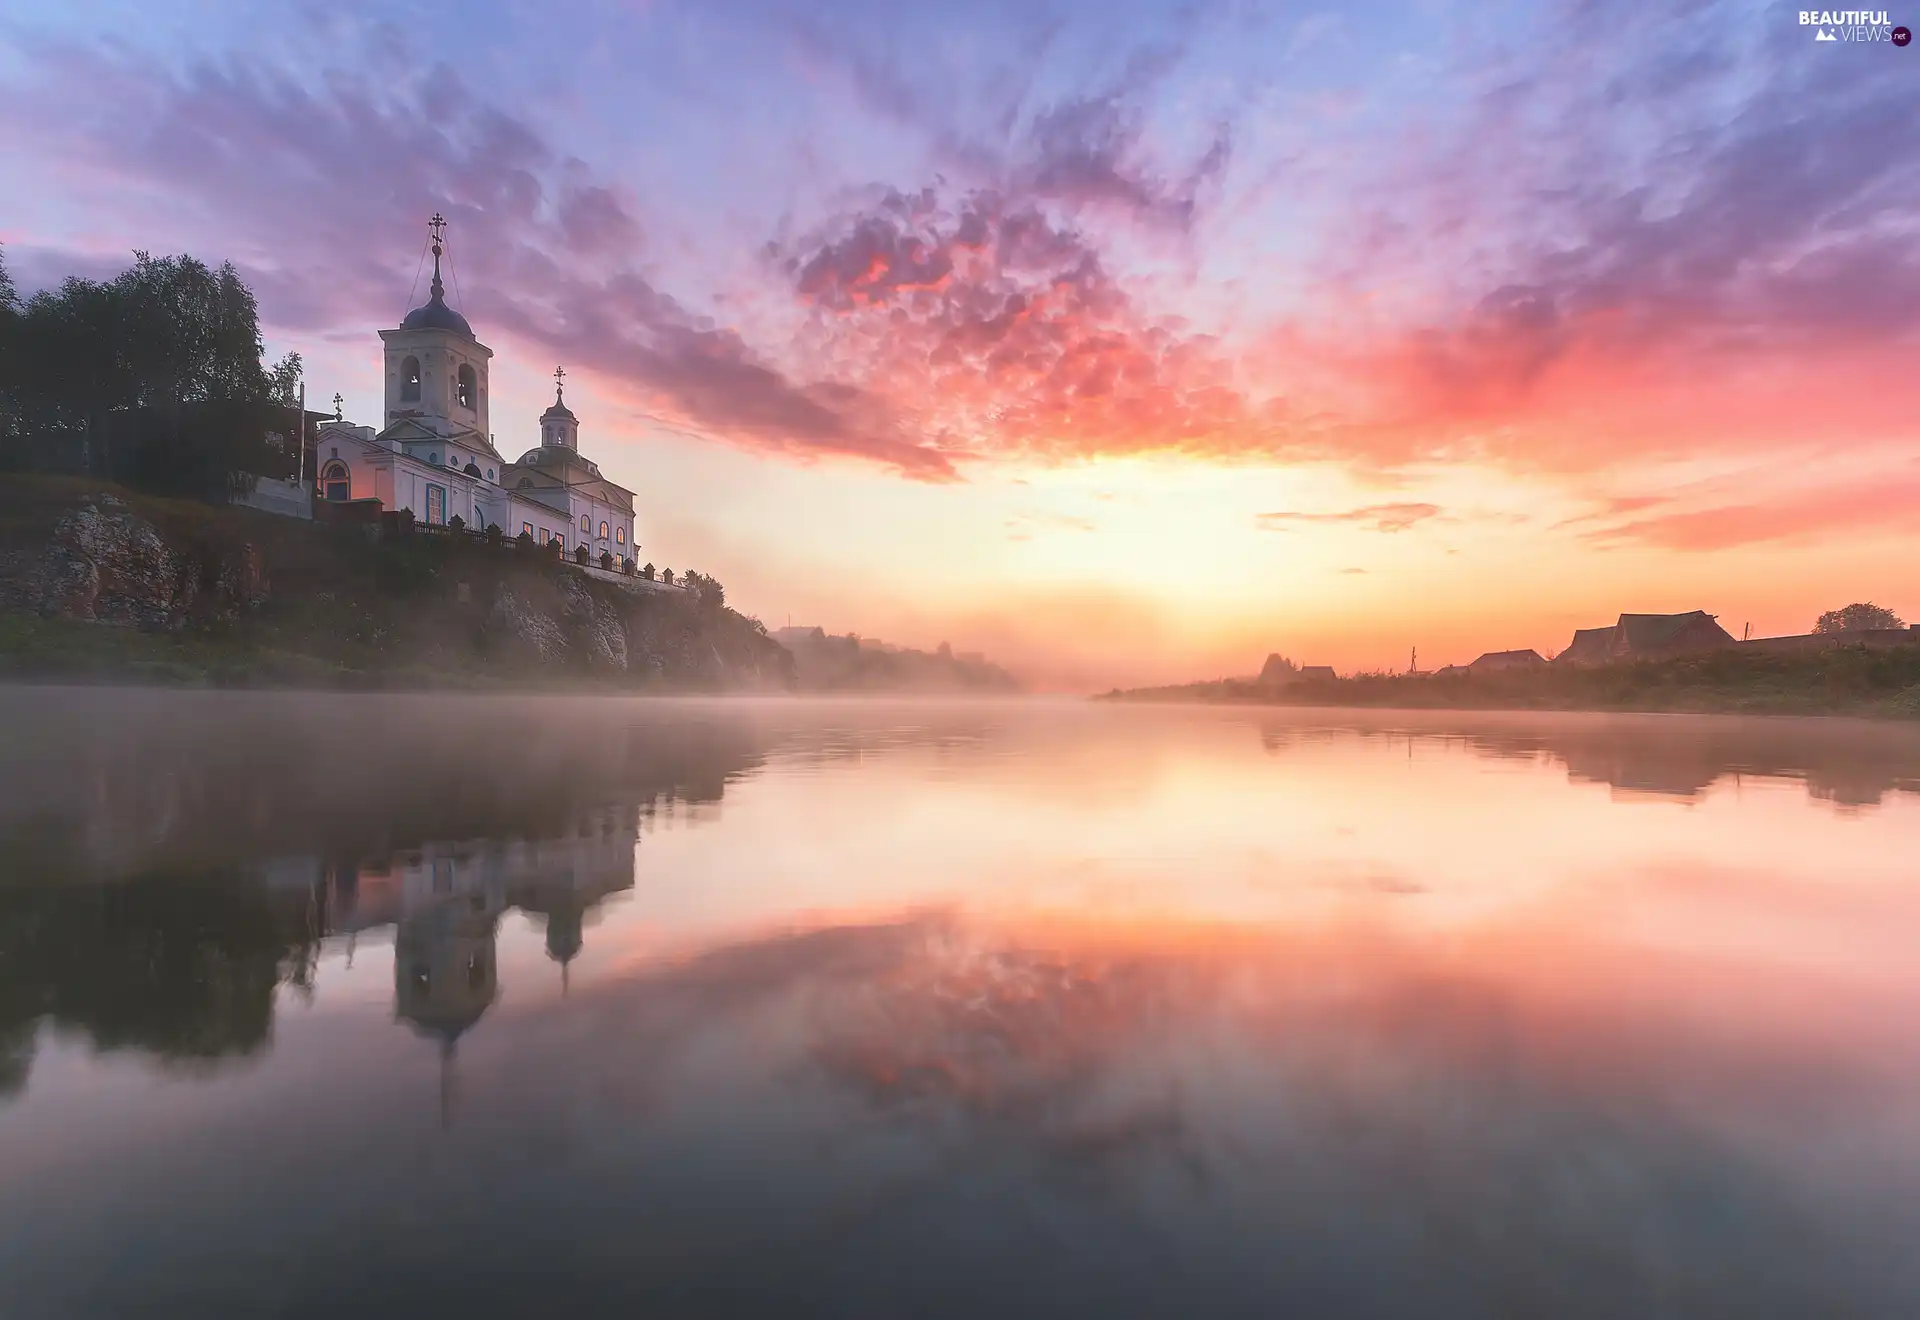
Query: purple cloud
x=546 y=255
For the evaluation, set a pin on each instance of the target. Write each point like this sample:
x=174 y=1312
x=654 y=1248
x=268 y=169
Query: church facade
x=434 y=452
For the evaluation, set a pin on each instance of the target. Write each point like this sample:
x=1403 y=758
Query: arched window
x=620 y=535
x=586 y=522
x=335 y=483
x=410 y=380
x=467 y=389
x=603 y=530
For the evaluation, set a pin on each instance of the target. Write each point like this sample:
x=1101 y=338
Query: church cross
x=339 y=404
x=559 y=381
x=435 y=225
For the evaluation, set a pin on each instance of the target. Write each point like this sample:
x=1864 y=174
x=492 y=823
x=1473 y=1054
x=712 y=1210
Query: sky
x=1125 y=341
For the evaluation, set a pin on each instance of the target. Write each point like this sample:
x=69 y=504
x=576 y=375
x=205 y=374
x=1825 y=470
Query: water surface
x=477 y=1005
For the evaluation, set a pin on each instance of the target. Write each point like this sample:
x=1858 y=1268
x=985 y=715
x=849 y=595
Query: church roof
x=566 y=467
x=434 y=314
x=558 y=409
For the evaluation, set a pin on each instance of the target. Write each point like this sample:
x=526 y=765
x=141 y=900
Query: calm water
x=423 y=1006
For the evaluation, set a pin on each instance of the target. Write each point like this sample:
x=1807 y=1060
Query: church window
x=436 y=505
x=410 y=380
x=620 y=535
x=466 y=388
x=526 y=529
x=489 y=474
x=335 y=482
x=586 y=522
x=434 y=459
x=603 y=531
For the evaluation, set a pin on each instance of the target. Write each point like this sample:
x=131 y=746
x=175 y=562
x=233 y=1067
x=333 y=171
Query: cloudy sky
x=1127 y=341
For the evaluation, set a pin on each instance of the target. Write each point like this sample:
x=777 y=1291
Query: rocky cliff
x=105 y=583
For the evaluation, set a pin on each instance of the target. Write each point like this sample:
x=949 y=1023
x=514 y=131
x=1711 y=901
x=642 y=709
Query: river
x=479 y=1005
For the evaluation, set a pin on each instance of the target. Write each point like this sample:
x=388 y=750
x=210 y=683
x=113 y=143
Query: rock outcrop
x=256 y=596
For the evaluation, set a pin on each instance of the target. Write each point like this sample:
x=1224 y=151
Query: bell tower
x=436 y=371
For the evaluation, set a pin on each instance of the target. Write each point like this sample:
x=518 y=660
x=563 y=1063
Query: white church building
x=434 y=455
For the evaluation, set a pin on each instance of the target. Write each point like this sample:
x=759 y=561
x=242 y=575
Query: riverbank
x=1847 y=680
x=101 y=584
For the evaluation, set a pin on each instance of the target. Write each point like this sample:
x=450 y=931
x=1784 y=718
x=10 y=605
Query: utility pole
x=1413 y=661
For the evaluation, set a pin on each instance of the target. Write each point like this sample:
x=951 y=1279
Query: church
x=434 y=456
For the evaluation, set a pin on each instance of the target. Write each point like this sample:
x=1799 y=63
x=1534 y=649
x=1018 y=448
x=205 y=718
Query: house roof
x=1528 y=656
x=1651 y=631
x=1589 y=644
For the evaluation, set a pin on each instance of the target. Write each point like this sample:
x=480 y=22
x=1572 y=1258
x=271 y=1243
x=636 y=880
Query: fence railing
x=410 y=527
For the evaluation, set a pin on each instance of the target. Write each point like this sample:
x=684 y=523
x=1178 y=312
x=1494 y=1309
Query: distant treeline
x=1841 y=680
x=825 y=663
x=154 y=378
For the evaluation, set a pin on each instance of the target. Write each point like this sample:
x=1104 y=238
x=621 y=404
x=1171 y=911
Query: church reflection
x=187 y=969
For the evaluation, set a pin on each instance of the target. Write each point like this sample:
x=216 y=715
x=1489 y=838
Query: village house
x=1645 y=637
x=1500 y=662
x=433 y=454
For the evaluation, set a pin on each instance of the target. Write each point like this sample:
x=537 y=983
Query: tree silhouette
x=1855 y=617
x=154 y=377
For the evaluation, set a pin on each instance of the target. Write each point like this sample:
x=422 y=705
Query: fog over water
x=370 y=1005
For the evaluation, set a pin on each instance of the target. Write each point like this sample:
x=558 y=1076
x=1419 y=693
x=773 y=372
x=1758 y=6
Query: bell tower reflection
x=445 y=977
x=445 y=902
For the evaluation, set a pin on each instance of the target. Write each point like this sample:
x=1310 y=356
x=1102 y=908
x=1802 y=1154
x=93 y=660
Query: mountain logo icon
x=1824 y=35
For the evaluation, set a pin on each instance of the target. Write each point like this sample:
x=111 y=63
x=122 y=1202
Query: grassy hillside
x=102 y=583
